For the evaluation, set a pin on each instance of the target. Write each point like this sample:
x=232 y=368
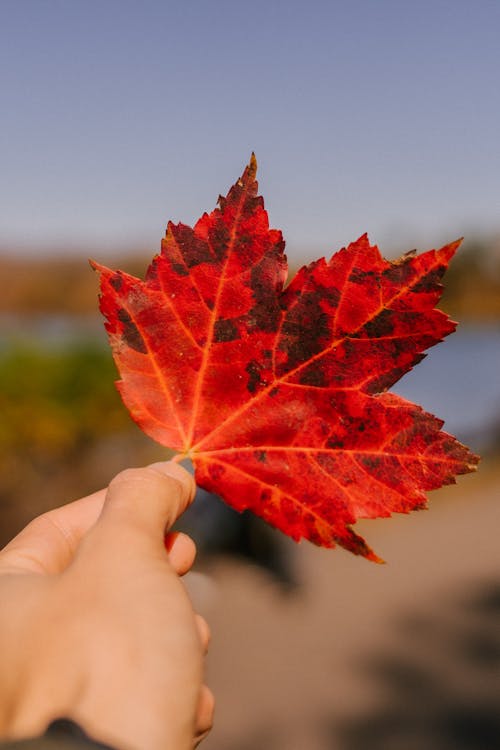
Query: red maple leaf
x=278 y=394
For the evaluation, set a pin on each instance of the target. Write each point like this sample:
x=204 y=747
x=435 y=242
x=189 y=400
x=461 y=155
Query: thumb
x=148 y=499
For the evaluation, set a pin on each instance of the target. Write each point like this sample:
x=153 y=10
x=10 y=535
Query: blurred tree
x=63 y=429
x=472 y=283
x=56 y=401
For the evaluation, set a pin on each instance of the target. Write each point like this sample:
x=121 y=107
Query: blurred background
x=365 y=116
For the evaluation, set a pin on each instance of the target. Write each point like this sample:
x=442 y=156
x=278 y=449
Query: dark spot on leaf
x=430 y=281
x=225 y=330
x=357 y=276
x=381 y=325
x=314 y=535
x=131 y=334
x=334 y=443
x=286 y=299
x=305 y=331
x=351 y=541
x=219 y=240
x=216 y=471
x=313 y=376
x=370 y=462
x=254 y=382
x=400 y=272
x=349 y=347
x=266 y=313
x=274 y=392
x=261 y=456
x=332 y=295
x=364 y=276
x=401 y=346
x=179 y=269
x=194 y=249
x=116 y=281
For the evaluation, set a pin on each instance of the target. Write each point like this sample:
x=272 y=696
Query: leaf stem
x=178 y=458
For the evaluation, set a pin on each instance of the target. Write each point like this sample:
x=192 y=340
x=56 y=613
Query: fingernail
x=172 y=469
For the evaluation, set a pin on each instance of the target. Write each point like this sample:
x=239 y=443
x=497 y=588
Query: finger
x=204 y=714
x=181 y=551
x=203 y=632
x=48 y=544
x=147 y=500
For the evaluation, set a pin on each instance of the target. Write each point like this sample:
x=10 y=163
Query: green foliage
x=63 y=429
x=472 y=283
x=54 y=401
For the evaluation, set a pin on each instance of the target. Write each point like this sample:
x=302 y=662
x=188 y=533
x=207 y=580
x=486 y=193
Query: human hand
x=95 y=623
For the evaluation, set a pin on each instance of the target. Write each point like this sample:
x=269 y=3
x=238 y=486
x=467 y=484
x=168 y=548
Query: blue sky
x=365 y=116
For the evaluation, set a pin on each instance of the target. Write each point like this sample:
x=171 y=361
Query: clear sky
x=379 y=116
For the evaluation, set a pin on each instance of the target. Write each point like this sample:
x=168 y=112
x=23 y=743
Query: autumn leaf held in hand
x=278 y=393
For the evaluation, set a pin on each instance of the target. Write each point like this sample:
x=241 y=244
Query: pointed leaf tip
x=95 y=266
x=252 y=166
x=448 y=251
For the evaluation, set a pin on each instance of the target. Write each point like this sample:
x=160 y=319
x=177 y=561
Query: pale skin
x=95 y=622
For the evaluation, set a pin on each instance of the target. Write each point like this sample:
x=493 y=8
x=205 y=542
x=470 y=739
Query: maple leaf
x=278 y=393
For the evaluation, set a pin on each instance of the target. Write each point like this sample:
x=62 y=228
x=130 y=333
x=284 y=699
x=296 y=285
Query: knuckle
x=206 y=709
x=203 y=631
x=150 y=480
x=126 y=476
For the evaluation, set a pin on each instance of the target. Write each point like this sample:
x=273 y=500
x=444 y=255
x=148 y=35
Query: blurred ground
x=393 y=657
